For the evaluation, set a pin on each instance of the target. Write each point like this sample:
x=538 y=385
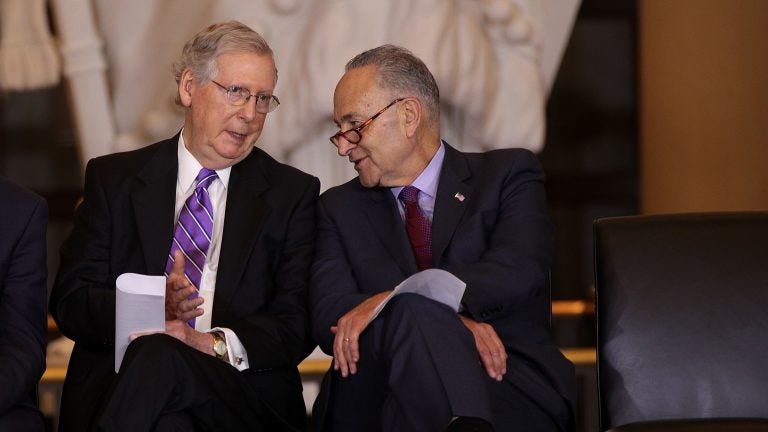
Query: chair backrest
x=682 y=316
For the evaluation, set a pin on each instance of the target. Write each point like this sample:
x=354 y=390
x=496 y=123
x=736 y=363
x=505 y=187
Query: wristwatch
x=220 y=346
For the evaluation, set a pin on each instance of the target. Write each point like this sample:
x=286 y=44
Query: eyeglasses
x=354 y=135
x=238 y=96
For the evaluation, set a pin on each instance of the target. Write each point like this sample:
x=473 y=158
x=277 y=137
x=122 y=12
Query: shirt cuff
x=235 y=350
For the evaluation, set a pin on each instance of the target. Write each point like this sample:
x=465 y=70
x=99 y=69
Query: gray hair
x=200 y=53
x=401 y=71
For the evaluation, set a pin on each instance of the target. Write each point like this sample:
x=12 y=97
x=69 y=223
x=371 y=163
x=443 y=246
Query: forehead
x=357 y=93
x=247 y=69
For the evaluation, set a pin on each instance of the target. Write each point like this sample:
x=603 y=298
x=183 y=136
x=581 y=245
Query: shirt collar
x=427 y=181
x=189 y=168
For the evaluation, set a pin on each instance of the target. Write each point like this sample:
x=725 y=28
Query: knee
x=409 y=304
x=151 y=350
x=22 y=418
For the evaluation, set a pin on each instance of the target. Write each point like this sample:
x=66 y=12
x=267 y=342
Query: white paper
x=436 y=284
x=139 y=307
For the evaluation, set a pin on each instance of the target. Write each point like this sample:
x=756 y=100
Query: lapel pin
x=459 y=196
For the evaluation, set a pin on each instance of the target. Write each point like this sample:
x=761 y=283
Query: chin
x=368 y=182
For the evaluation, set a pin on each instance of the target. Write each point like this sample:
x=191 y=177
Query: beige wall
x=703 y=82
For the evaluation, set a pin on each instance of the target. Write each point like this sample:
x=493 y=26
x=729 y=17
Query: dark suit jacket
x=23 y=292
x=498 y=240
x=126 y=223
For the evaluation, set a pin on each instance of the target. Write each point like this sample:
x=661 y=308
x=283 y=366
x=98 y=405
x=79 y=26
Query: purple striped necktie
x=193 y=231
x=418 y=227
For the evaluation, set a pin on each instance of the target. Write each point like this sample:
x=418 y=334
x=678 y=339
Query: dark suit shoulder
x=272 y=166
x=18 y=195
x=344 y=193
x=131 y=162
x=502 y=159
x=22 y=202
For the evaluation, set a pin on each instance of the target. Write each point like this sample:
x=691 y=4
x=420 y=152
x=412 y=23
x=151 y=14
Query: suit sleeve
x=23 y=292
x=333 y=288
x=83 y=296
x=514 y=265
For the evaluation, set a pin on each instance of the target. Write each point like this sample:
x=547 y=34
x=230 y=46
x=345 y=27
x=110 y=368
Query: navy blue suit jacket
x=126 y=223
x=498 y=240
x=23 y=292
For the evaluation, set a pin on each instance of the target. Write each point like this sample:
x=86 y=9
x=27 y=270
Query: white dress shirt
x=189 y=168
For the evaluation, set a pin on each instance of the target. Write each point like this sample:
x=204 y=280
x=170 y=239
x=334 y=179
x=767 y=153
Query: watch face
x=220 y=347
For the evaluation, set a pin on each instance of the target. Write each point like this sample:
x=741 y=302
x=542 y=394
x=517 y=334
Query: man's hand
x=200 y=341
x=178 y=305
x=346 y=350
x=489 y=346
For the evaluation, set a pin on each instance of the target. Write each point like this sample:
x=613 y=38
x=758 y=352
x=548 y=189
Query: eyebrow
x=346 y=117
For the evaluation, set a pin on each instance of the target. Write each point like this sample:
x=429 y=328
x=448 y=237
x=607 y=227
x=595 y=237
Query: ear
x=412 y=110
x=186 y=88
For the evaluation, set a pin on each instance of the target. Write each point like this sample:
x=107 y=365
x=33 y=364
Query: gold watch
x=220 y=346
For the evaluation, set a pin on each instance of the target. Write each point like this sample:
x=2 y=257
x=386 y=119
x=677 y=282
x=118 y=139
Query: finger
x=181 y=282
x=184 y=293
x=187 y=305
x=178 y=262
x=485 y=350
x=353 y=354
x=498 y=352
x=352 y=349
x=339 y=356
x=134 y=336
x=496 y=355
x=193 y=313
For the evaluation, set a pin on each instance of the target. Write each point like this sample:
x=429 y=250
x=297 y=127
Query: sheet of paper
x=139 y=307
x=436 y=284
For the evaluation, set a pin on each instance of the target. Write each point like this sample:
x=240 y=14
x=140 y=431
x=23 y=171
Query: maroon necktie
x=418 y=227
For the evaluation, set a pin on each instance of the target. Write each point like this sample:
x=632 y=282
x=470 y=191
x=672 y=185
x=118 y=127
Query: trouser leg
x=419 y=367
x=160 y=375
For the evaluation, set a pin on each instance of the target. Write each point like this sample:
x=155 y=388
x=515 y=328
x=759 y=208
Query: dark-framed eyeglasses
x=354 y=135
x=237 y=96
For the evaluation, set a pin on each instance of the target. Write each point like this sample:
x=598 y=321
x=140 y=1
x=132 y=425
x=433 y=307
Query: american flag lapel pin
x=459 y=196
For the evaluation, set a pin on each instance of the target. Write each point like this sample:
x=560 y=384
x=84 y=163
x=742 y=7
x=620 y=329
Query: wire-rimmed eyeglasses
x=354 y=135
x=237 y=96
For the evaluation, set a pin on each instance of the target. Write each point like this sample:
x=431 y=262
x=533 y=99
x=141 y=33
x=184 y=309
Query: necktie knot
x=205 y=177
x=409 y=195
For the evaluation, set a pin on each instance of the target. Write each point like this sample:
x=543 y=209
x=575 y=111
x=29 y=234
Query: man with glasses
x=416 y=204
x=232 y=229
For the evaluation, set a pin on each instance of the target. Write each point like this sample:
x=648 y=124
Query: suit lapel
x=451 y=201
x=153 y=205
x=246 y=214
x=386 y=223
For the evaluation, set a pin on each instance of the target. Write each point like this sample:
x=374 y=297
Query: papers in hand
x=436 y=284
x=139 y=307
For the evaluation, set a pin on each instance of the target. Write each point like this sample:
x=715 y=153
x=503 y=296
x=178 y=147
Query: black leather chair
x=682 y=322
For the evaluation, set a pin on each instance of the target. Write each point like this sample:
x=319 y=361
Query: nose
x=247 y=111
x=344 y=146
